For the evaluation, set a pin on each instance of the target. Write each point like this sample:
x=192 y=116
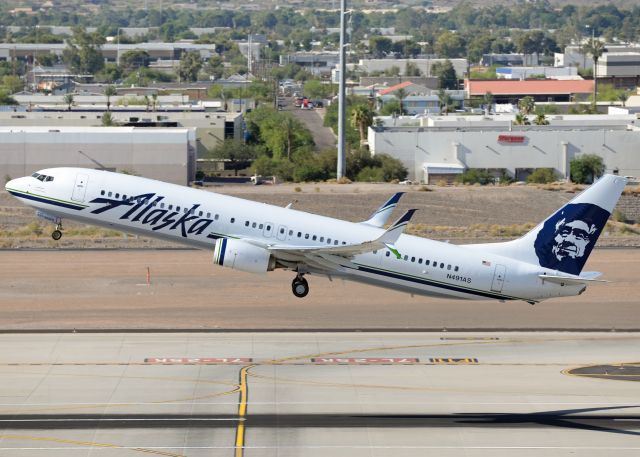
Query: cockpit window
x=42 y=178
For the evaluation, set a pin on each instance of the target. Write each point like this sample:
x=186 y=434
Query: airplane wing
x=380 y=216
x=337 y=257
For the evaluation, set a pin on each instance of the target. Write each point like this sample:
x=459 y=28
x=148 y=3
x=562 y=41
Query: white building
x=495 y=143
x=424 y=65
x=528 y=72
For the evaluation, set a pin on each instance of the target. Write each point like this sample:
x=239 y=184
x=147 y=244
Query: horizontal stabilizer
x=572 y=280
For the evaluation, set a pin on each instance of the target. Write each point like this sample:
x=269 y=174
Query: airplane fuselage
x=197 y=218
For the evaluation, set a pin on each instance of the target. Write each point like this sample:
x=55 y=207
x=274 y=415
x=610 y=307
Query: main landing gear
x=57 y=233
x=300 y=286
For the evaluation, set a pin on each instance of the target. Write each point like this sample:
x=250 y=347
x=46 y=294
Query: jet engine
x=242 y=256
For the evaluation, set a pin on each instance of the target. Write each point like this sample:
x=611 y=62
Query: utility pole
x=340 y=172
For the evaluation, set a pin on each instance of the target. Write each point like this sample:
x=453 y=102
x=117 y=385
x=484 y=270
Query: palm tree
x=487 y=101
x=147 y=102
x=526 y=105
x=107 y=120
x=445 y=101
x=362 y=119
x=522 y=119
x=68 y=99
x=154 y=98
x=401 y=94
x=541 y=120
x=623 y=97
x=595 y=48
x=109 y=92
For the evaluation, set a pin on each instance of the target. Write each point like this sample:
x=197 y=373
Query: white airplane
x=256 y=237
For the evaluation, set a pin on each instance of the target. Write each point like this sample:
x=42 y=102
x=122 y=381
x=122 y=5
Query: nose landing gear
x=57 y=233
x=300 y=286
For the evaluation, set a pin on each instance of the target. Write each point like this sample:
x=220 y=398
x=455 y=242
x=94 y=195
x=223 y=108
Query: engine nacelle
x=242 y=256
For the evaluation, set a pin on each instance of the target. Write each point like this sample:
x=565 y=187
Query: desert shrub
x=476 y=176
x=371 y=174
x=542 y=176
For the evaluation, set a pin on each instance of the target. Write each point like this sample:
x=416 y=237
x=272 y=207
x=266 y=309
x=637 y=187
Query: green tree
x=389 y=108
x=238 y=154
x=446 y=74
x=380 y=46
x=316 y=89
x=401 y=94
x=5 y=98
x=449 y=45
x=68 y=100
x=82 y=53
x=134 y=59
x=109 y=92
x=487 y=101
x=190 y=65
x=586 y=168
x=595 y=48
x=445 y=102
x=12 y=83
x=521 y=119
x=362 y=119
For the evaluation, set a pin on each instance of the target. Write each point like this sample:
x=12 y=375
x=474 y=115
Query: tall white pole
x=341 y=94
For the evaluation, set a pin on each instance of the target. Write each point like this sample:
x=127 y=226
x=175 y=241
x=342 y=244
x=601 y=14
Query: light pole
x=340 y=172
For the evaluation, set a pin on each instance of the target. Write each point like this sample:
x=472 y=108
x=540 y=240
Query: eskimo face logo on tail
x=567 y=238
x=145 y=210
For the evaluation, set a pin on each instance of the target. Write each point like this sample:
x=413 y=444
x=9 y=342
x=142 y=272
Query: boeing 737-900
x=257 y=238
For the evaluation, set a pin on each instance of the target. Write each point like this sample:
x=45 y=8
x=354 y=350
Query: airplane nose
x=14 y=184
x=10 y=184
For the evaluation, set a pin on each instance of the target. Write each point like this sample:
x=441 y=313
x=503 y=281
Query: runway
x=319 y=394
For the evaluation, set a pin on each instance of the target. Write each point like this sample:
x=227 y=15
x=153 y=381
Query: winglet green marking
x=394 y=251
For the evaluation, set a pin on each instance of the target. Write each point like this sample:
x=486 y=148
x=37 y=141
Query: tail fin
x=380 y=216
x=564 y=241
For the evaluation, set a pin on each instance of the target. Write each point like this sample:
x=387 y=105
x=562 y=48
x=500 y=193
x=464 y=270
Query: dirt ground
x=94 y=289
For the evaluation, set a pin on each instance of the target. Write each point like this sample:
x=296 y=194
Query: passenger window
x=456 y=269
x=162 y=205
x=335 y=242
x=448 y=267
x=306 y=236
x=420 y=261
x=217 y=217
x=254 y=225
x=49 y=178
x=233 y=220
x=102 y=192
x=281 y=230
x=314 y=238
x=208 y=215
x=246 y=223
x=441 y=265
x=290 y=232
x=322 y=239
x=387 y=253
x=260 y=226
x=177 y=208
x=268 y=228
x=117 y=195
x=406 y=257
x=124 y=197
x=109 y=194
x=200 y=213
x=328 y=240
x=171 y=207
x=435 y=264
x=299 y=234
x=426 y=262
x=413 y=259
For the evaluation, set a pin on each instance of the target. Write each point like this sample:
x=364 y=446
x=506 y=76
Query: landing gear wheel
x=300 y=287
x=56 y=235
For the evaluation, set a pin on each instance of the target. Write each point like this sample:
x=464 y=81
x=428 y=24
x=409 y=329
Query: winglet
x=380 y=216
x=394 y=232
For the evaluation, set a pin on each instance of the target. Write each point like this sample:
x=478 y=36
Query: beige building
x=156 y=153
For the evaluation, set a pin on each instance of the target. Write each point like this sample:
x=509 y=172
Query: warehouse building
x=163 y=154
x=434 y=150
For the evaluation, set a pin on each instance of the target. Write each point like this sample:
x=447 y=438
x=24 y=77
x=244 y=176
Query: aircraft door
x=282 y=233
x=498 y=278
x=268 y=229
x=80 y=187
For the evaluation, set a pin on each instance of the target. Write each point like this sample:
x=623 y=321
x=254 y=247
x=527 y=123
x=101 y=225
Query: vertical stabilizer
x=564 y=240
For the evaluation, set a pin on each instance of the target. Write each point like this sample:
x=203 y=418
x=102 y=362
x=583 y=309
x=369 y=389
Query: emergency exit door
x=498 y=278
x=80 y=188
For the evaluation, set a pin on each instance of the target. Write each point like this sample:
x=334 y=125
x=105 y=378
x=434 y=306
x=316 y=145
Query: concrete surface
x=108 y=290
x=316 y=394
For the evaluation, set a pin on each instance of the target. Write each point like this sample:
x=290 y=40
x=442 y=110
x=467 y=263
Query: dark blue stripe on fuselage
x=426 y=282
x=44 y=200
x=222 y=249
